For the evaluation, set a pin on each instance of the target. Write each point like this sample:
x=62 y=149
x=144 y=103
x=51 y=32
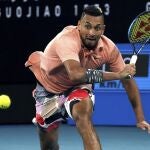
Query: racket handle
x=132 y=61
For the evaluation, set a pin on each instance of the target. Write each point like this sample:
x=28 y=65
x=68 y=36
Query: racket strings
x=140 y=29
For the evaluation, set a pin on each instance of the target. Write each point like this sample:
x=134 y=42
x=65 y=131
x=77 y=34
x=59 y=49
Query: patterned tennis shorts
x=51 y=108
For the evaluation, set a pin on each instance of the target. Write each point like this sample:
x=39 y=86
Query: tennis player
x=65 y=73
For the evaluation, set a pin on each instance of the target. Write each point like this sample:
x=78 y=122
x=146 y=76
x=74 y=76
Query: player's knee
x=82 y=120
x=82 y=111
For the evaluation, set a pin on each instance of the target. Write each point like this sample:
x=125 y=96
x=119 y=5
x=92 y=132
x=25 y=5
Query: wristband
x=94 y=76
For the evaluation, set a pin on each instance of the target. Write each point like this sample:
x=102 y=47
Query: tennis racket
x=139 y=35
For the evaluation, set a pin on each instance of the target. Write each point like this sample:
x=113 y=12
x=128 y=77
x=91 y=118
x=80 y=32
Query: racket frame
x=134 y=57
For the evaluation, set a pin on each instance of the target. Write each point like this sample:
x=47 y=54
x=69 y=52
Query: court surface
x=24 y=137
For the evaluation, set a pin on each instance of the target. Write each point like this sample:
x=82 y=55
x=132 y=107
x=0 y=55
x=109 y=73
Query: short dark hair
x=92 y=10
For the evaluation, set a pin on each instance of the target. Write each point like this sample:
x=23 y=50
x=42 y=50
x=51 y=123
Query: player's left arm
x=135 y=100
x=117 y=63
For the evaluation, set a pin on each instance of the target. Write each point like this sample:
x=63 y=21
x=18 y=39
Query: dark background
x=20 y=36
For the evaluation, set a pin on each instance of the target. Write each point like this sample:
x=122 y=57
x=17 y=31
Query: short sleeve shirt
x=67 y=45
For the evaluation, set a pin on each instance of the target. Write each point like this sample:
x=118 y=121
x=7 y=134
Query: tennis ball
x=5 y=102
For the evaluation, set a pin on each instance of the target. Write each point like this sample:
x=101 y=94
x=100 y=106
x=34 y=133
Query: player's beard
x=90 y=42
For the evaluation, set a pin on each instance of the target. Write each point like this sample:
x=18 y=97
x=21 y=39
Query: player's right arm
x=79 y=74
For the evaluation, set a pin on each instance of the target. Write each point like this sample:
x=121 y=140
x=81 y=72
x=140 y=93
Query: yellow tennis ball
x=5 y=102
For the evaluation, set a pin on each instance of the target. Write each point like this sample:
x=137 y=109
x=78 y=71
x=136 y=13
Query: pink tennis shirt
x=48 y=66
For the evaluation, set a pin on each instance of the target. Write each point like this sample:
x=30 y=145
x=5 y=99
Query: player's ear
x=103 y=31
x=79 y=25
x=79 y=22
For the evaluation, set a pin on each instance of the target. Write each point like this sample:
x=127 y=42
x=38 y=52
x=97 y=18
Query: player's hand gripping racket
x=139 y=35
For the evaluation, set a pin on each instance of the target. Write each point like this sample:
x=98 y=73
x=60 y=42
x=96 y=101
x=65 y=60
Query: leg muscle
x=82 y=112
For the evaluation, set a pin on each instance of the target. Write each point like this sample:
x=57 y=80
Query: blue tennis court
x=24 y=137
